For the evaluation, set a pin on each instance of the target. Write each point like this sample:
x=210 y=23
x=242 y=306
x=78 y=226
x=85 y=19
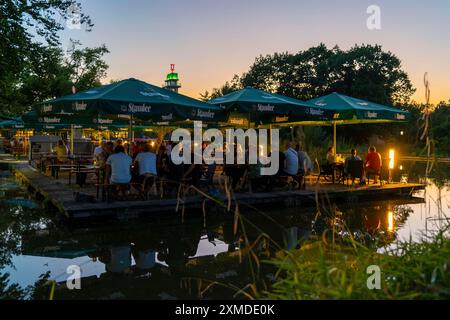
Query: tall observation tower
x=172 y=80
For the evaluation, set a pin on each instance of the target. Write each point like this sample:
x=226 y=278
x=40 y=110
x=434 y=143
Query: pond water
x=204 y=257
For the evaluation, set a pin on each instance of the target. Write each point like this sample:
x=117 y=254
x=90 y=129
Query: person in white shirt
x=119 y=166
x=291 y=162
x=146 y=161
x=99 y=149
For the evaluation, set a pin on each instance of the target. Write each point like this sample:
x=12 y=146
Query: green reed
x=330 y=270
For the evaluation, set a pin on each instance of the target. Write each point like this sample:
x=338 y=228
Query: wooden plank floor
x=61 y=195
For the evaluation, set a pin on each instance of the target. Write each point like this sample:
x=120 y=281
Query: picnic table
x=49 y=161
x=85 y=170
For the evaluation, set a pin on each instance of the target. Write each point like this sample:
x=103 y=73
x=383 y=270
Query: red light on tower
x=172 y=67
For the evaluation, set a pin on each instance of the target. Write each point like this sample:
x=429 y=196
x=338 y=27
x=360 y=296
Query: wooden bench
x=86 y=171
x=106 y=189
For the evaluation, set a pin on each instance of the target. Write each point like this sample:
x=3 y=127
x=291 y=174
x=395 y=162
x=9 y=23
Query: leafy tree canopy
x=33 y=65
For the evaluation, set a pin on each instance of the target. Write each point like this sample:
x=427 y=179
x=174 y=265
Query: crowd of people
x=141 y=163
x=15 y=146
x=294 y=163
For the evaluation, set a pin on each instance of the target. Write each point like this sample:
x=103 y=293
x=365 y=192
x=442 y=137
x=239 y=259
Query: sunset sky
x=210 y=41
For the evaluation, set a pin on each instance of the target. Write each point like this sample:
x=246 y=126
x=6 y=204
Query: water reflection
x=390 y=219
x=201 y=258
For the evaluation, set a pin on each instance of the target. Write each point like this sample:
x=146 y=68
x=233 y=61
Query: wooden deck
x=60 y=195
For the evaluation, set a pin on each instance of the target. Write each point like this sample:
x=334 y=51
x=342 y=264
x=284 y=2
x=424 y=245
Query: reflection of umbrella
x=265 y=107
x=349 y=110
x=133 y=98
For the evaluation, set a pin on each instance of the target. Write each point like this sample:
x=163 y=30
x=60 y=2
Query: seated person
x=61 y=152
x=281 y=161
x=305 y=165
x=291 y=161
x=193 y=171
x=331 y=155
x=162 y=161
x=352 y=157
x=146 y=160
x=175 y=172
x=119 y=142
x=136 y=148
x=256 y=180
x=373 y=162
x=273 y=181
x=118 y=167
x=99 y=149
x=108 y=150
x=235 y=171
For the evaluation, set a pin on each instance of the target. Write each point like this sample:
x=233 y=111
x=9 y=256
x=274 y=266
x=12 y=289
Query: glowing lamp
x=391 y=159
x=261 y=150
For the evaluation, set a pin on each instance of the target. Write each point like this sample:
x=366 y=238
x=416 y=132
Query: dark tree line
x=33 y=64
x=365 y=72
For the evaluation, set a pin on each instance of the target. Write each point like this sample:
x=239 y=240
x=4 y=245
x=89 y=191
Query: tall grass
x=322 y=270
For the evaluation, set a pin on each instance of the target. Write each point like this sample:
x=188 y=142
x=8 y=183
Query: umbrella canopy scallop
x=134 y=98
x=268 y=107
x=349 y=109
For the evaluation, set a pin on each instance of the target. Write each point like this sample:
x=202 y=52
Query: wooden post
x=334 y=137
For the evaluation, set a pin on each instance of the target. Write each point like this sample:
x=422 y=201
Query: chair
x=149 y=185
x=113 y=190
x=354 y=170
x=374 y=174
x=325 y=170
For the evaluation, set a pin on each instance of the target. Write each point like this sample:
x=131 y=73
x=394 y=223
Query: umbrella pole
x=270 y=138
x=130 y=135
x=334 y=137
x=72 y=131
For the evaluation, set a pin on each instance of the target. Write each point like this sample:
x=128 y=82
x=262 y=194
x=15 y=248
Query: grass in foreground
x=339 y=271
